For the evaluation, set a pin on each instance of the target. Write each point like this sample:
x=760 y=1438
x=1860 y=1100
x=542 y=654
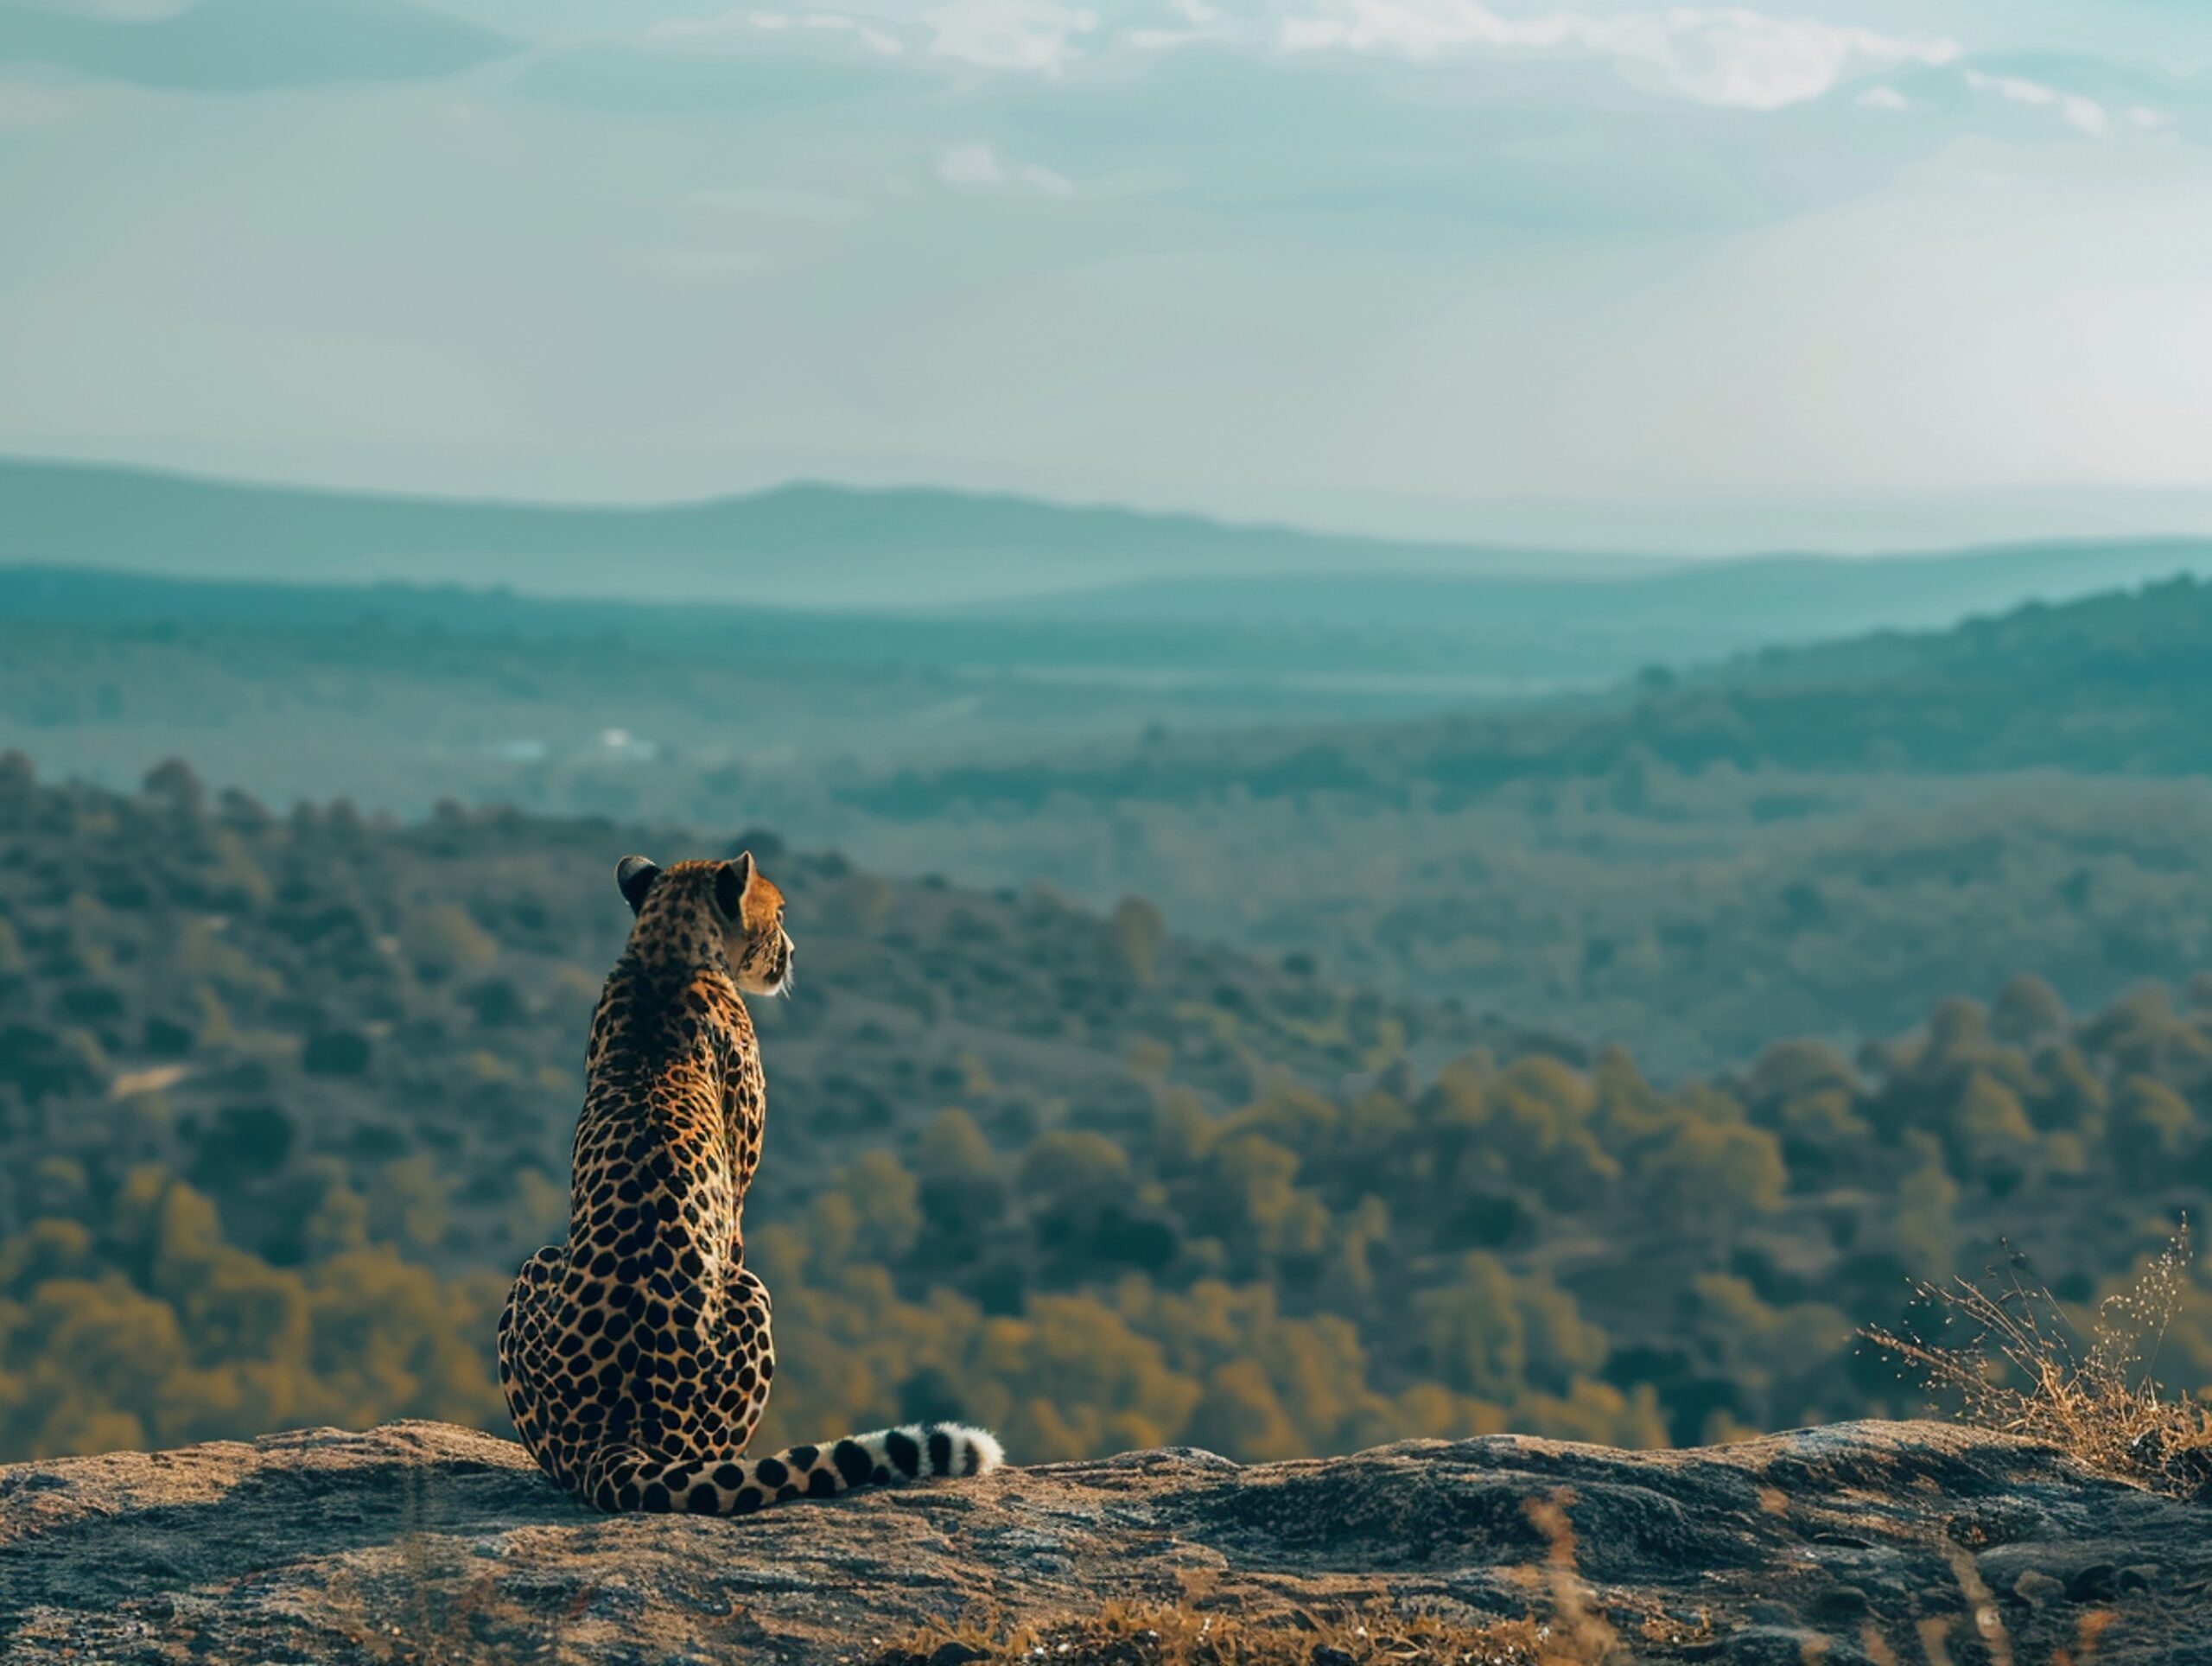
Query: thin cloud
x=216 y=48
x=1038 y=36
x=2083 y=114
x=980 y=168
x=678 y=30
x=1726 y=56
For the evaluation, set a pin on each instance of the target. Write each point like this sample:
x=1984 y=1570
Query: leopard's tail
x=738 y=1486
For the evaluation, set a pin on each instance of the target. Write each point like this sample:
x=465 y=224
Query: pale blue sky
x=1858 y=272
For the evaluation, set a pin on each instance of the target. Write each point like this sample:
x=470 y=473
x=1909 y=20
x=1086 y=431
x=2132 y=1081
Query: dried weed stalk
x=2017 y=1363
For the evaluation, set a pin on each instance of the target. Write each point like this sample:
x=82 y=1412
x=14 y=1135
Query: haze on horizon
x=1856 y=274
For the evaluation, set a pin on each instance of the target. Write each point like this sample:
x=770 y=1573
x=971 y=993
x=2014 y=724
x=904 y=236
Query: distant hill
x=2111 y=683
x=802 y=546
x=1571 y=622
x=1537 y=619
x=869 y=635
x=239 y=46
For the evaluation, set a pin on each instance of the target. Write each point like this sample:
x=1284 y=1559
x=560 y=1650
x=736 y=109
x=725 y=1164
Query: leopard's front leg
x=528 y=1364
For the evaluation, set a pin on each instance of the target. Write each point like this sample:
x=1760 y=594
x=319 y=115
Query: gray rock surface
x=425 y=1542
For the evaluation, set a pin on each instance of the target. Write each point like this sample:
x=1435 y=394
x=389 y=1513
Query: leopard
x=636 y=1357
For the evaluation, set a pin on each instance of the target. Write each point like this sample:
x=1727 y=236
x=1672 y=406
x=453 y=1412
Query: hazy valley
x=1687 y=855
x=1781 y=977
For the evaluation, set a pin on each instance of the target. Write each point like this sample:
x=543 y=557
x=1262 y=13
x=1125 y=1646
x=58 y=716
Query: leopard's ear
x=731 y=880
x=635 y=875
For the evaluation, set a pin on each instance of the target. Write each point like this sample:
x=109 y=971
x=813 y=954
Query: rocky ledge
x=423 y=1542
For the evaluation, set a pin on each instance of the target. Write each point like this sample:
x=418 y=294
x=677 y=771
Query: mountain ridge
x=93 y=514
x=947 y=552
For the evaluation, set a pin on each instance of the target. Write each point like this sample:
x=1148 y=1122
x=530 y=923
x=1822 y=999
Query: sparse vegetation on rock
x=425 y=1545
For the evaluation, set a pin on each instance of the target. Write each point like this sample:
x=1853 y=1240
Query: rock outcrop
x=421 y=1541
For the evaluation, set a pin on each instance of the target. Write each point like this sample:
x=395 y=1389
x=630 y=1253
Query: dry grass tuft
x=1198 y=1629
x=2020 y=1365
x=1173 y=1634
x=446 y=1607
x=1578 y=1631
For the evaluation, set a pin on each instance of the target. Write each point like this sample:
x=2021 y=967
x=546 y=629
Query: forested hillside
x=2114 y=685
x=284 y=1098
x=1821 y=841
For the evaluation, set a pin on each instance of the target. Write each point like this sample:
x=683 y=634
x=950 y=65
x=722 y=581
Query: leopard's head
x=693 y=905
